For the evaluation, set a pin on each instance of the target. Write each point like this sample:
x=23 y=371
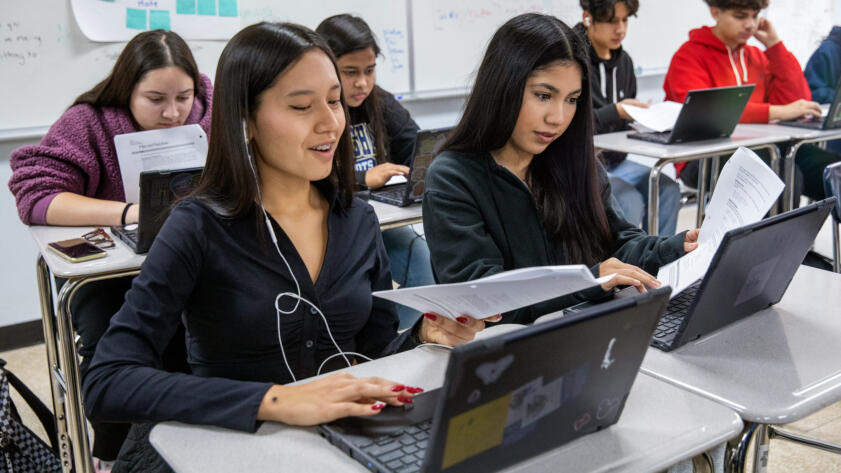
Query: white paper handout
x=180 y=147
x=658 y=117
x=744 y=192
x=496 y=294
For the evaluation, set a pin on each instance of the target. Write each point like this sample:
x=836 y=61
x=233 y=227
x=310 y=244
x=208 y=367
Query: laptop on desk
x=750 y=271
x=158 y=191
x=513 y=396
x=706 y=114
x=830 y=121
x=427 y=145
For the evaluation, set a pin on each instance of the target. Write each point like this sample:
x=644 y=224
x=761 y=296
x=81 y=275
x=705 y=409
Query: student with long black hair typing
x=270 y=264
x=518 y=184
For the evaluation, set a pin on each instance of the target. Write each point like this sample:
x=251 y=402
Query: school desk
x=59 y=335
x=682 y=152
x=773 y=367
x=660 y=426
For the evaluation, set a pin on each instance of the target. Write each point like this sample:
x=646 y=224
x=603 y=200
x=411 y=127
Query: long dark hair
x=347 y=34
x=250 y=64
x=145 y=52
x=564 y=177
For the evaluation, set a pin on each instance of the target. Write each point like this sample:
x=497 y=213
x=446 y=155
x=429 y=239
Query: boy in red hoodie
x=719 y=56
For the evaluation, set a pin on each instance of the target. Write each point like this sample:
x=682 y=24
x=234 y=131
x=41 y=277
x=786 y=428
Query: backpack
x=21 y=451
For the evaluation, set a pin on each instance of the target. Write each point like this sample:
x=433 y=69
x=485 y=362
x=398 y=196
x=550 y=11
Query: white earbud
x=586 y=21
x=297 y=294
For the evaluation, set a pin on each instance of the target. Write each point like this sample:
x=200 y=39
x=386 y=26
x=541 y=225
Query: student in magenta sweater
x=73 y=178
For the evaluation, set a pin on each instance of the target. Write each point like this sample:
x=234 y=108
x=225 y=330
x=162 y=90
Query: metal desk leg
x=654 y=197
x=76 y=422
x=715 y=165
x=760 y=449
x=702 y=191
x=788 y=170
x=836 y=248
x=44 y=278
x=735 y=453
x=804 y=440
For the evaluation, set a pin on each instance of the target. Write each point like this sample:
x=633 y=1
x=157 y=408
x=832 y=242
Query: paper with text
x=744 y=192
x=180 y=147
x=496 y=294
x=658 y=117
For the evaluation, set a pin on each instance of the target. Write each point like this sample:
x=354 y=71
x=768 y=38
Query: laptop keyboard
x=391 y=194
x=655 y=137
x=676 y=311
x=401 y=452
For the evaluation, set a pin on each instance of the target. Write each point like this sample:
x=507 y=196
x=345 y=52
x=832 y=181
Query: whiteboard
x=428 y=45
x=46 y=61
x=450 y=36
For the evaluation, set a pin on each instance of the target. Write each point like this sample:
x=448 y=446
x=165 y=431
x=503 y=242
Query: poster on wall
x=120 y=20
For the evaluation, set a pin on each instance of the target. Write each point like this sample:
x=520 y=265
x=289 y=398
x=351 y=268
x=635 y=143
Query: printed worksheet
x=496 y=294
x=744 y=192
x=180 y=147
x=658 y=117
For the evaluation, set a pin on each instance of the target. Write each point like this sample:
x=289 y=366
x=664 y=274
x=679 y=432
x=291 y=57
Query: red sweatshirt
x=705 y=61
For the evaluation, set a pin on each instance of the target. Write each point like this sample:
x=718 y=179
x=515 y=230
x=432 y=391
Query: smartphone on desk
x=76 y=250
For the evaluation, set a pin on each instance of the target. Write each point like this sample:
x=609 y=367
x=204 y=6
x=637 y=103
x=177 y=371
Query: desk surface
x=794 y=133
x=121 y=257
x=742 y=136
x=660 y=426
x=773 y=367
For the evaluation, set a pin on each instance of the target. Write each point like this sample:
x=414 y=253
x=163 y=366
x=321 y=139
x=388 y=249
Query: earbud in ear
x=587 y=21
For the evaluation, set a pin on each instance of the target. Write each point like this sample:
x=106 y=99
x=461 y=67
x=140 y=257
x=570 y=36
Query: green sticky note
x=158 y=19
x=227 y=7
x=207 y=7
x=135 y=19
x=185 y=7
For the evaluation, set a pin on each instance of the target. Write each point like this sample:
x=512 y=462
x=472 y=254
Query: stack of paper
x=496 y=294
x=659 y=117
x=745 y=191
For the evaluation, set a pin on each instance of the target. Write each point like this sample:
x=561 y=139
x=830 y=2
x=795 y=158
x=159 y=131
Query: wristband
x=125 y=212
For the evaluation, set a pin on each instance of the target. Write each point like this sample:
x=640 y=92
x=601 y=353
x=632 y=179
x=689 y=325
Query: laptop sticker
x=582 y=421
x=491 y=371
x=607 y=407
x=474 y=396
x=541 y=402
x=756 y=281
x=475 y=431
x=518 y=398
x=608 y=360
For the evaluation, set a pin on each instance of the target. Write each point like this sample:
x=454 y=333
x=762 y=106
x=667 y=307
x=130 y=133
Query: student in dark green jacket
x=518 y=184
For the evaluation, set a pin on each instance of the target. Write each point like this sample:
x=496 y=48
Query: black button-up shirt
x=222 y=278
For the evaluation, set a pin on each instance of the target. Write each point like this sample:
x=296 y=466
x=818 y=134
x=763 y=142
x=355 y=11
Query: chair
x=832 y=185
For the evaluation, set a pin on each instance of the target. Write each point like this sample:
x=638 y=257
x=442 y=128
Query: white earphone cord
x=297 y=294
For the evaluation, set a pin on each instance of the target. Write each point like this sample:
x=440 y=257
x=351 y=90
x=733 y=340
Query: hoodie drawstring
x=615 y=97
x=603 y=79
x=744 y=78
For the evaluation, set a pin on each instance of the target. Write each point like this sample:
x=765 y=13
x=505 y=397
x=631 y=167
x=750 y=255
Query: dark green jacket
x=480 y=219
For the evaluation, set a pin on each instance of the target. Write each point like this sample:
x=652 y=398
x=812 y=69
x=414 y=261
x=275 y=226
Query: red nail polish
x=377 y=406
x=430 y=316
x=414 y=390
x=462 y=319
x=405 y=400
x=398 y=388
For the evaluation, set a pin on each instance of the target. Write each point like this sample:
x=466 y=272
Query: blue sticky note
x=135 y=19
x=207 y=7
x=227 y=7
x=158 y=19
x=185 y=7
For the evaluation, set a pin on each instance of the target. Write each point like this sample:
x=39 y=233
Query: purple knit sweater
x=77 y=155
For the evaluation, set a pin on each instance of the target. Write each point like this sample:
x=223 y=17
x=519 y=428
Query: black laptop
x=750 y=271
x=706 y=114
x=158 y=191
x=830 y=121
x=513 y=396
x=427 y=145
